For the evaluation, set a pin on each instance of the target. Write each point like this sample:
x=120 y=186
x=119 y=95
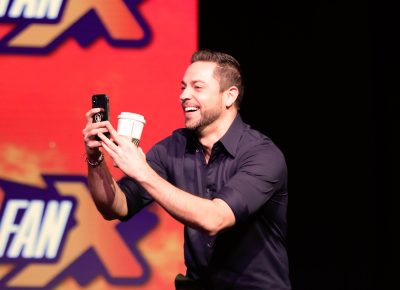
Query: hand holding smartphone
x=101 y=101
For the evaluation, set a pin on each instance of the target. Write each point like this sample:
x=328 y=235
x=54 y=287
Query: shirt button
x=209 y=244
x=208 y=190
x=197 y=150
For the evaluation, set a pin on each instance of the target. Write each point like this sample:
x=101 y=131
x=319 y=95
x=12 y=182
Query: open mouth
x=190 y=109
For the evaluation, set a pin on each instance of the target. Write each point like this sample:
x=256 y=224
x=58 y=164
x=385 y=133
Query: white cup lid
x=129 y=115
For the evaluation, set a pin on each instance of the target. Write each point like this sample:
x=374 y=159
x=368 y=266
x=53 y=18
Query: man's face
x=201 y=98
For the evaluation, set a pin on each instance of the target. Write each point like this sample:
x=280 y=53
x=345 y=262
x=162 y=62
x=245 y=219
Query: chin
x=191 y=125
x=188 y=126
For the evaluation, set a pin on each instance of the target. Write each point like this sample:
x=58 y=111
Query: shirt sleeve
x=136 y=196
x=261 y=173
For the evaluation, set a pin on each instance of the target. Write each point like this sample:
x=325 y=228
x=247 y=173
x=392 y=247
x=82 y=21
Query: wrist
x=93 y=153
x=94 y=160
x=144 y=175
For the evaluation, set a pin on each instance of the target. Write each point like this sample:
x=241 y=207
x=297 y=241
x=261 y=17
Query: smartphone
x=101 y=101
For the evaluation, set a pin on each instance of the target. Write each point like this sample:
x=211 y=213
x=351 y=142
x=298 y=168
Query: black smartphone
x=101 y=101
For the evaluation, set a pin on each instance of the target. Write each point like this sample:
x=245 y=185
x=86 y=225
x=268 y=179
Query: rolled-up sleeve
x=136 y=196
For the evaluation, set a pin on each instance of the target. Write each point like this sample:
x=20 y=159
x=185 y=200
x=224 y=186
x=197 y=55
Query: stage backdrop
x=54 y=54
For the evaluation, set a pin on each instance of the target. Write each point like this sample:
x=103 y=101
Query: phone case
x=101 y=101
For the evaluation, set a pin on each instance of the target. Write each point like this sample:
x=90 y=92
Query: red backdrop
x=44 y=94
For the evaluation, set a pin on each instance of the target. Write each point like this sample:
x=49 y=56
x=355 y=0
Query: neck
x=213 y=133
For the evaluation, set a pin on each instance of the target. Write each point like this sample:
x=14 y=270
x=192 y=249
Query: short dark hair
x=228 y=71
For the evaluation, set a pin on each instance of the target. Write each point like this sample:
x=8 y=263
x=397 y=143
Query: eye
x=198 y=86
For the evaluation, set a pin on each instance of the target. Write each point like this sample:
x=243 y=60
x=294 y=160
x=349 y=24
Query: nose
x=185 y=94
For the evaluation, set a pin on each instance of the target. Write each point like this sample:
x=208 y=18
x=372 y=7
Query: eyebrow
x=193 y=82
x=197 y=81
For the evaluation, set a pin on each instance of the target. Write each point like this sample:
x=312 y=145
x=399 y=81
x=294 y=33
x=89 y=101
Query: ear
x=231 y=95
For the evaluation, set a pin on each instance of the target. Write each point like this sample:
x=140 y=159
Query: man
x=225 y=181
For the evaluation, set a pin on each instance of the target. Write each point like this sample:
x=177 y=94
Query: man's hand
x=129 y=158
x=89 y=133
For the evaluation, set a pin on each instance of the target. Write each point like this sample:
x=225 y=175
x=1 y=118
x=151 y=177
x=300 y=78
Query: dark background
x=319 y=77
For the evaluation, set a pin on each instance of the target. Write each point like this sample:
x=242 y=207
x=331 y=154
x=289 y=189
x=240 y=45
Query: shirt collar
x=230 y=140
x=232 y=137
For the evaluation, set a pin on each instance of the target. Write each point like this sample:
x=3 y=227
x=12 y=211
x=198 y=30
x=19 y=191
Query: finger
x=102 y=130
x=90 y=133
x=93 y=128
x=110 y=151
x=113 y=133
x=98 y=125
x=93 y=144
x=89 y=114
x=108 y=142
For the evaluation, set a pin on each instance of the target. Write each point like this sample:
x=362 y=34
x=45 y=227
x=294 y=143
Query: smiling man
x=226 y=182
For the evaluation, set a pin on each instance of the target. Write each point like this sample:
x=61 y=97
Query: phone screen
x=101 y=101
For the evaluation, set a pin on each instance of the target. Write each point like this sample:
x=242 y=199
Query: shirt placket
x=210 y=187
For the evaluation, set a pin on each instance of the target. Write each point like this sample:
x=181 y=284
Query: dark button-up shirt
x=246 y=170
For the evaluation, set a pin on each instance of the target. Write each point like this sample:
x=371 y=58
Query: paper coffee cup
x=131 y=125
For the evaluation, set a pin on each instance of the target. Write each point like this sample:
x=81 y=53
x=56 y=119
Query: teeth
x=190 y=109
